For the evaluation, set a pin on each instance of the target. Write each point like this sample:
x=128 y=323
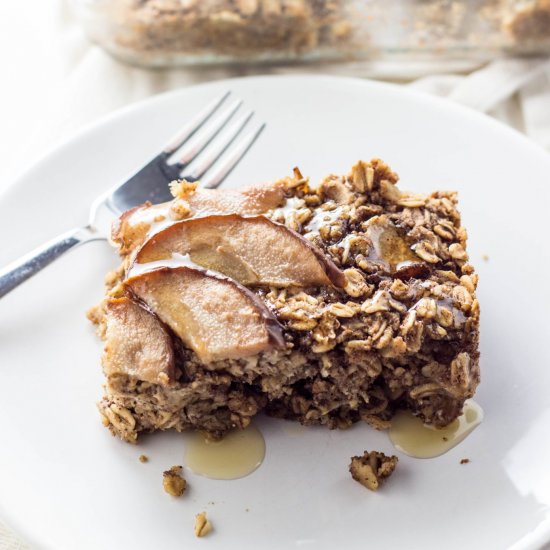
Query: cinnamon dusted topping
x=136 y=345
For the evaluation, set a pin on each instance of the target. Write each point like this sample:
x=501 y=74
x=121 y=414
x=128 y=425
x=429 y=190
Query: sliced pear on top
x=133 y=226
x=251 y=250
x=136 y=343
x=214 y=316
x=249 y=201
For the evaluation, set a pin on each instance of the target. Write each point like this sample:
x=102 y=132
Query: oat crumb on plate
x=202 y=525
x=465 y=461
x=173 y=482
x=143 y=458
x=373 y=468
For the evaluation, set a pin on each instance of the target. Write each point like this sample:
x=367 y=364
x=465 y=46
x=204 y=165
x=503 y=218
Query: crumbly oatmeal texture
x=401 y=334
x=372 y=469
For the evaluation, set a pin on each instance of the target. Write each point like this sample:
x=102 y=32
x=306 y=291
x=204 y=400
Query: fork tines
x=204 y=140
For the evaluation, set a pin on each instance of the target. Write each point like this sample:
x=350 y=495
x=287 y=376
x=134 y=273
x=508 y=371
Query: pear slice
x=248 y=201
x=133 y=226
x=251 y=250
x=214 y=316
x=136 y=343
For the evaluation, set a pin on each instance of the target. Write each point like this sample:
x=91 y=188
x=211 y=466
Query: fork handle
x=28 y=265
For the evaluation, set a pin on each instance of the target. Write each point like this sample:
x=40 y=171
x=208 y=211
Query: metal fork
x=190 y=155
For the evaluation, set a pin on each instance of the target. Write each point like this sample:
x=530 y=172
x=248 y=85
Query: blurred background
x=67 y=63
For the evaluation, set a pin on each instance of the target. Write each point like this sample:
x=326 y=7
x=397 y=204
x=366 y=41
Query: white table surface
x=55 y=82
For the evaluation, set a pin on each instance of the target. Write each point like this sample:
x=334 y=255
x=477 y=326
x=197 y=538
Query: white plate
x=66 y=484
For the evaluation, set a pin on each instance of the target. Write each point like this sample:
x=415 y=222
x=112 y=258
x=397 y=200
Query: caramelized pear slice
x=249 y=201
x=214 y=316
x=132 y=228
x=253 y=251
x=136 y=344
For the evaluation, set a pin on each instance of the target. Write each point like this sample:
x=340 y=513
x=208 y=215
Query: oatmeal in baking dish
x=327 y=304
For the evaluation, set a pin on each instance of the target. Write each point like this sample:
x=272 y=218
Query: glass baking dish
x=168 y=33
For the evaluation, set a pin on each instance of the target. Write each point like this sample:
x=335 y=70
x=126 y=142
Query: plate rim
x=531 y=540
x=424 y=97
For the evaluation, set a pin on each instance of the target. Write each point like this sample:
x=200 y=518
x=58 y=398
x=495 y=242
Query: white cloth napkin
x=515 y=91
x=58 y=82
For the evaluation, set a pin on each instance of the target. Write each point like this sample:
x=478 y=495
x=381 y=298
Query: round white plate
x=66 y=484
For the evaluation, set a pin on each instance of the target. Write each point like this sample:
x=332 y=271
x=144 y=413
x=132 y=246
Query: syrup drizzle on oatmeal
x=458 y=317
x=389 y=247
x=157 y=217
x=321 y=218
x=176 y=260
x=414 y=438
x=238 y=454
x=288 y=209
x=446 y=303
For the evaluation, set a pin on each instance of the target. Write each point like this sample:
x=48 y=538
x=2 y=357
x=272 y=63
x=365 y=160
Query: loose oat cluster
x=229 y=27
x=173 y=481
x=398 y=330
x=372 y=469
x=202 y=525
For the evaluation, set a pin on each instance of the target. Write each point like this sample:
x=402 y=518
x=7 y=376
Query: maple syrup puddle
x=238 y=454
x=414 y=438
